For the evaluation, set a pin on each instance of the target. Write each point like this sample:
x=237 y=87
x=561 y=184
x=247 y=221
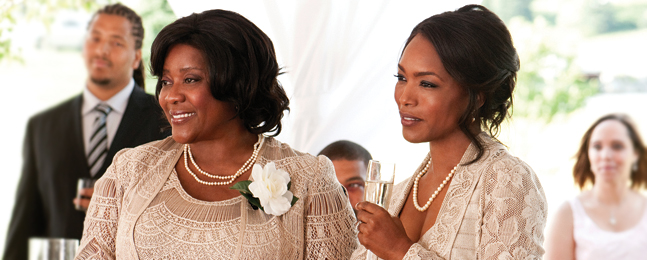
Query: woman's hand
x=379 y=232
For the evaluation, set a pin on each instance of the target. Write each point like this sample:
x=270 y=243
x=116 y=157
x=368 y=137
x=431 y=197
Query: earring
x=473 y=119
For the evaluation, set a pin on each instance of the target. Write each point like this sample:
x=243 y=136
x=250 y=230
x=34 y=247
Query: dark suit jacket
x=54 y=159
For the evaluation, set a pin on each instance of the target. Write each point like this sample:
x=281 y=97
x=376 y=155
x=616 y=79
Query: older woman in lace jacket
x=172 y=199
x=470 y=198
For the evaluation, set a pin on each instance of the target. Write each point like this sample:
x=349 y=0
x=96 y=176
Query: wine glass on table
x=378 y=187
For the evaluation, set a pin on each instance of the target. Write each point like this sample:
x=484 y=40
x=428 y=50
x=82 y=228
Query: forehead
x=113 y=25
x=610 y=130
x=184 y=56
x=346 y=169
x=420 y=54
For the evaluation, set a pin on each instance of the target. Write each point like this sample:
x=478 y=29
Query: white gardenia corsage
x=270 y=190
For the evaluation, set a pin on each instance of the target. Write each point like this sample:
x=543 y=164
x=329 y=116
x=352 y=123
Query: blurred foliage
x=507 y=9
x=549 y=82
x=593 y=16
x=155 y=14
x=546 y=35
x=43 y=10
x=605 y=17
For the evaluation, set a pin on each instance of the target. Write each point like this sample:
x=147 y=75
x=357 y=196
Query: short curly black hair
x=476 y=49
x=241 y=62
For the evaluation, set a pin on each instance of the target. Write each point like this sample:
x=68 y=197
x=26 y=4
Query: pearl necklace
x=431 y=199
x=230 y=179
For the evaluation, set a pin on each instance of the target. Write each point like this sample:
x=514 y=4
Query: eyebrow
x=95 y=31
x=183 y=69
x=357 y=178
x=190 y=68
x=118 y=37
x=418 y=74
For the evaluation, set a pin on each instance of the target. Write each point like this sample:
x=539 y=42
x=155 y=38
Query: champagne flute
x=378 y=187
x=83 y=183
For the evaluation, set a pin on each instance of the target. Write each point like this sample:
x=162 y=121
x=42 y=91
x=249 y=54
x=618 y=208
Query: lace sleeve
x=100 y=225
x=514 y=212
x=330 y=218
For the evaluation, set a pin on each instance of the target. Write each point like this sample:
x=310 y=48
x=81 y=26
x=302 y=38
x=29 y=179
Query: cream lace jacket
x=495 y=208
x=139 y=210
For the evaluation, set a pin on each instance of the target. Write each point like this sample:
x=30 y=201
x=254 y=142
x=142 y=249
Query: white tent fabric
x=339 y=58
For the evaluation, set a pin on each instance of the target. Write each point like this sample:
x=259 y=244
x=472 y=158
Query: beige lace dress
x=140 y=211
x=494 y=208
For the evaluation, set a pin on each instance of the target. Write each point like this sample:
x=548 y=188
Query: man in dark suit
x=78 y=138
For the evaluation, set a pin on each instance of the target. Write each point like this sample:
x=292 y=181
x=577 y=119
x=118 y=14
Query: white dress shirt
x=118 y=103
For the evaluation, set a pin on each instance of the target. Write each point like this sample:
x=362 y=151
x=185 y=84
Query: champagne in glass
x=378 y=192
x=379 y=184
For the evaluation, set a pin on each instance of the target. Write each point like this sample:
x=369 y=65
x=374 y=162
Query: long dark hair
x=476 y=49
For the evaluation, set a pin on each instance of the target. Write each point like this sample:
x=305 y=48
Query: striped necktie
x=98 y=139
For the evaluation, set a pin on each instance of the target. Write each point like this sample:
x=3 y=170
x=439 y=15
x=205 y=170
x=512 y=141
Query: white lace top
x=495 y=208
x=140 y=211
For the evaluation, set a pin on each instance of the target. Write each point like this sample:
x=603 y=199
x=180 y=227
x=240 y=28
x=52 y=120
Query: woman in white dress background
x=607 y=221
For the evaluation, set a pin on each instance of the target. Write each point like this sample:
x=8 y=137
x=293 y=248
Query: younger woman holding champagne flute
x=470 y=198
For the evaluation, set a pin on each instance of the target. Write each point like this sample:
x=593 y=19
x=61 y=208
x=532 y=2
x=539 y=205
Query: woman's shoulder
x=282 y=153
x=502 y=170
x=146 y=155
x=562 y=220
x=498 y=160
x=303 y=167
x=150 y=150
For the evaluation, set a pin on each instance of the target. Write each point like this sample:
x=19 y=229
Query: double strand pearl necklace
x=431 y=199
x=229 y=179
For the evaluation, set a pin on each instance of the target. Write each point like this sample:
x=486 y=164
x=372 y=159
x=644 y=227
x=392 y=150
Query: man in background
x=350 y=161
x=79 y=137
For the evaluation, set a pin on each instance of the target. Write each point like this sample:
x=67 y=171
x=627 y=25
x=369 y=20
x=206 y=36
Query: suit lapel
x=78 y=145
x=133 y=117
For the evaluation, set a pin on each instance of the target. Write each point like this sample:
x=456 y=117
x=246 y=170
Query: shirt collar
x=118 y=102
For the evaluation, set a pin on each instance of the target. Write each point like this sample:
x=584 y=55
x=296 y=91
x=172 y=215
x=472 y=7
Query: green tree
x=549 y=82
x=507 y=9
x=606 y=17
x=43 y=10
x=155 y=15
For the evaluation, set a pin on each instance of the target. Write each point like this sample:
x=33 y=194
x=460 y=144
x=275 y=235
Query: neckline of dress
x=185 y=195
x=643 y=218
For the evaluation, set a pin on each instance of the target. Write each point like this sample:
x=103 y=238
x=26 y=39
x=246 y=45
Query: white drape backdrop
x=339 y=58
